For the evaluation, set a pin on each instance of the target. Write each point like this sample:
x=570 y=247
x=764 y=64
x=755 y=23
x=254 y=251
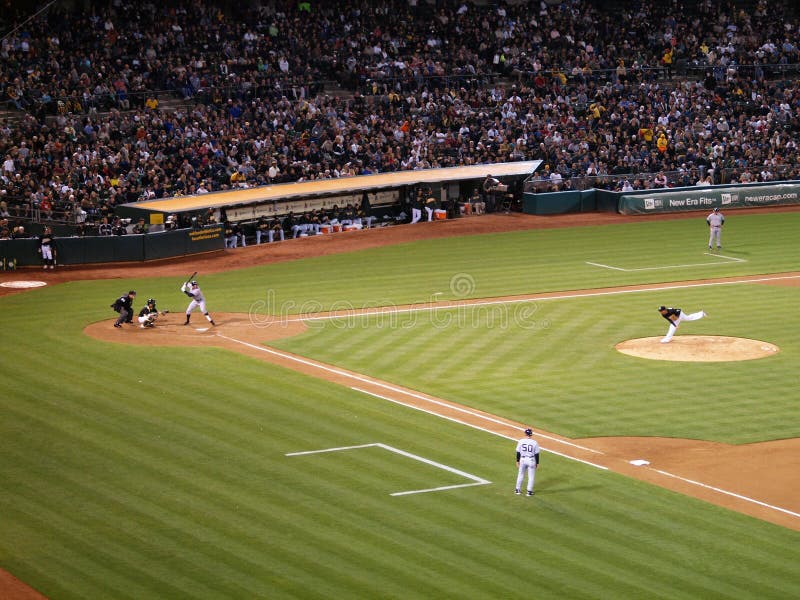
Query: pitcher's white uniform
x=715 y=222
x=675 y=316
x=198 y=301
x=527 y=461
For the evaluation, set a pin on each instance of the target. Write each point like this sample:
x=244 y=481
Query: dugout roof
x=326 y=187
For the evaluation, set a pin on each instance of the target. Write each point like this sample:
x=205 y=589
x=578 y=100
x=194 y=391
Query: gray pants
x=124 y=316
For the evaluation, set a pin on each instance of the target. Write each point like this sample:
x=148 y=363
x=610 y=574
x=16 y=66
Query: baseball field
x=347 y=430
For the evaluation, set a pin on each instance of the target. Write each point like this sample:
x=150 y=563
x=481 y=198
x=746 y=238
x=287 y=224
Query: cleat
x=665 y=341
x=530 y=493
x=117 y=325
x=705 y=314
x=516 y=491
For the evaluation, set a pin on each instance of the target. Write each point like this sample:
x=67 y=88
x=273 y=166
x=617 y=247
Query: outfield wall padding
x=551 y=203
x=123 y=248
x=708 y=198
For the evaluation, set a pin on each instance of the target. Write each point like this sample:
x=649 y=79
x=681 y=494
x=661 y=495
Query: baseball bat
x=191 y=277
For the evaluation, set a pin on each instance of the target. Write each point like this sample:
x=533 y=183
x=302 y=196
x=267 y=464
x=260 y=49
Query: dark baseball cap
x=132 y=293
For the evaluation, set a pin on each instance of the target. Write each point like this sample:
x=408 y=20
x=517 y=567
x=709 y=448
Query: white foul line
x=731 y=258
x=513 y=301
x=460 y=422
x=475 y=479
x=728 y=259
x=566 y=296
x=317 y=365
x=727 y=493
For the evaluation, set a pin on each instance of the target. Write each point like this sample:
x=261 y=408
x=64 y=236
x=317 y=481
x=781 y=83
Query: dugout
x=387 y=193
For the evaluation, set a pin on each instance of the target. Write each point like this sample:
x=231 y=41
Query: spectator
x=141 y=227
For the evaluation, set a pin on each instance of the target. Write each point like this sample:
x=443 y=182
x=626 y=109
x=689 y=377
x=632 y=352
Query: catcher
x=149 y=314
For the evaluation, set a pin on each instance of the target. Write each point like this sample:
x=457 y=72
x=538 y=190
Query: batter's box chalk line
x=474 y=478
x=728 y=259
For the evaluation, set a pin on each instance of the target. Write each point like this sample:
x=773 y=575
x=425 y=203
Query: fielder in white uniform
x=715 y=222
x=674 y=317
x=192 y=290
x=527 y=460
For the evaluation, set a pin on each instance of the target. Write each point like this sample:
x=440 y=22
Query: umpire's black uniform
x=124 y=306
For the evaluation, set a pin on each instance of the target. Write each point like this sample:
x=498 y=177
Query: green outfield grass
x=131 y=472
x=552 y=363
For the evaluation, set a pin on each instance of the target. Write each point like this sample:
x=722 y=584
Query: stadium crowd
x=593 y=94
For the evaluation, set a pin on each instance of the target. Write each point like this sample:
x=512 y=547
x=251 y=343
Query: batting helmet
x=151 y=300
x=193 y=283
x=529 y=431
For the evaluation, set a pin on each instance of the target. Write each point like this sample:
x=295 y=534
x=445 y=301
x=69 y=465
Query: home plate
x=639 y=462
x=201 y=329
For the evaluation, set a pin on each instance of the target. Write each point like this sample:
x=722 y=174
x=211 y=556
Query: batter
x=192 y=290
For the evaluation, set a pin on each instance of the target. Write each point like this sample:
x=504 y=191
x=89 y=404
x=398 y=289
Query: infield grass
x=132 y=472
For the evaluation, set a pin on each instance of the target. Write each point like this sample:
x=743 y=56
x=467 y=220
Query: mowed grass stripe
x=240 y=441
x=176 y=500
x=513 y=263
x=98 y=566
x=198 y=493
x=576 y=354
x=367 y=512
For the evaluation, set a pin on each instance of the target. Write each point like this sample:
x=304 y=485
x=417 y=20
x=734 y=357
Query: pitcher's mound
x=698 y=348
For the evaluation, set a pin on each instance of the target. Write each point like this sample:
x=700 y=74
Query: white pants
x=716 y=231
x=416 y=215
x=683 y=317
x=195 y=304
x=47 y=252
x=430 y=213
x=526 y=465
x=144 y=320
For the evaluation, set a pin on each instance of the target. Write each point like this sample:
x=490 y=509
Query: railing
x=646 y=181
x=273 y=87
x=137 y=99
x=771 y=71
x=30 y=211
